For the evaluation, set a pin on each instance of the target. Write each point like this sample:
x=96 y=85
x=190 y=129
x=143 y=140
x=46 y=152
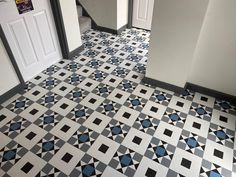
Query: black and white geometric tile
x=93 y=116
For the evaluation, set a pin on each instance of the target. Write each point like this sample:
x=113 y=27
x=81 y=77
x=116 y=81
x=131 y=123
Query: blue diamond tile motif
x=160 y=151
x=192 y=142
x=126 y=160
x=48 y=119
x=9 y=155
x=88 y=170
x=48 y=146
x=15 y=126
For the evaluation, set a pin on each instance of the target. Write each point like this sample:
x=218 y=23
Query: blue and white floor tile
x=93 y=116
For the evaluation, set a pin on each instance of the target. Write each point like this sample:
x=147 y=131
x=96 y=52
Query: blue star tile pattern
x=80 y=114
x=221 y=135
x=160 y=151
x=146 y=124
x=48 y=120
x=174 y=117
x=98 y=76
x=192 y=143
x=116 y=131
x=201 y=111
x=74 y=120
x=83 y=138
x=11 y=154
x=126 y=161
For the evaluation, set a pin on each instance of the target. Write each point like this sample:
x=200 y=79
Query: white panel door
x=32 y=36
x=142 y=13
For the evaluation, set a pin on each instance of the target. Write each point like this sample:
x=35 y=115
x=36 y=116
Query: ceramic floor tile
x=93 y=116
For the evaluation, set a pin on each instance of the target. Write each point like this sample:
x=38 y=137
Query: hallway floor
x=93 y=117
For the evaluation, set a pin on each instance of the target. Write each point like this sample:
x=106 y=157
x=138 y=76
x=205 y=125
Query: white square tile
x=181 y=157
x=99 y=47
x=62 y=74
x=92 y=101
x=35 y=93
x=65 y=129
x=137 y=141
x=28 y=166
x=180 y=104
x=88 y=84
x=96 y=40
x=197 y=126
x=6 y=115
x=204 y=99
x=154 y=109
x=134 y=76
x=103 y=57
x=107 y=68
x=116 y=45
x=225 y=154
x=97 y=122
x=119 y=96
x=127 y=115
x=85 y=71
x=143 y=91
x=64 y=106
x=82 y=60
x=112 y=80
x=168 y=133
x=62 y=63
x=39 y=78
x=140 y=51
x=223 y=119
x=122 y=54
x=127 y=64
x=103 y=149
x=63 y=88
x=30 y=136
x=67 y=158
x=33 y=112
x=150 y=168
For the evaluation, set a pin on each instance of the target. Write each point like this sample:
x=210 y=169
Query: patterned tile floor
x=93 y=117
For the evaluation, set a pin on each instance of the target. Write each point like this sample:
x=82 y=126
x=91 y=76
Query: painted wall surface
x=70 y=18
x=215 y=56
x=111 y=14
x=104 y=12
x=8 y=77
x=122 y=13
x=175 y=30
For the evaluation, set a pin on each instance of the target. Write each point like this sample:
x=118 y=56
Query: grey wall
x=111 y=14
x=175 y=30
x=215 y=56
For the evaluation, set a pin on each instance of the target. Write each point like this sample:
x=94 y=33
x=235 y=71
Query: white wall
x=111 y=14
x=122 y=13
x=8 y=77
x=175 y=29
x=214 y=64
x=70 y=18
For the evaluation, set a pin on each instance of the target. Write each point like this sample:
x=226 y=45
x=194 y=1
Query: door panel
x=142 y=13
x=44 y=31
x=32 y=36
x=23 y=42
x=142 y=10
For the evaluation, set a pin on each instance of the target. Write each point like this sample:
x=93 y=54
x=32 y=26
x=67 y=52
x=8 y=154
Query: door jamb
x=130 y=14
x=20 y=86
